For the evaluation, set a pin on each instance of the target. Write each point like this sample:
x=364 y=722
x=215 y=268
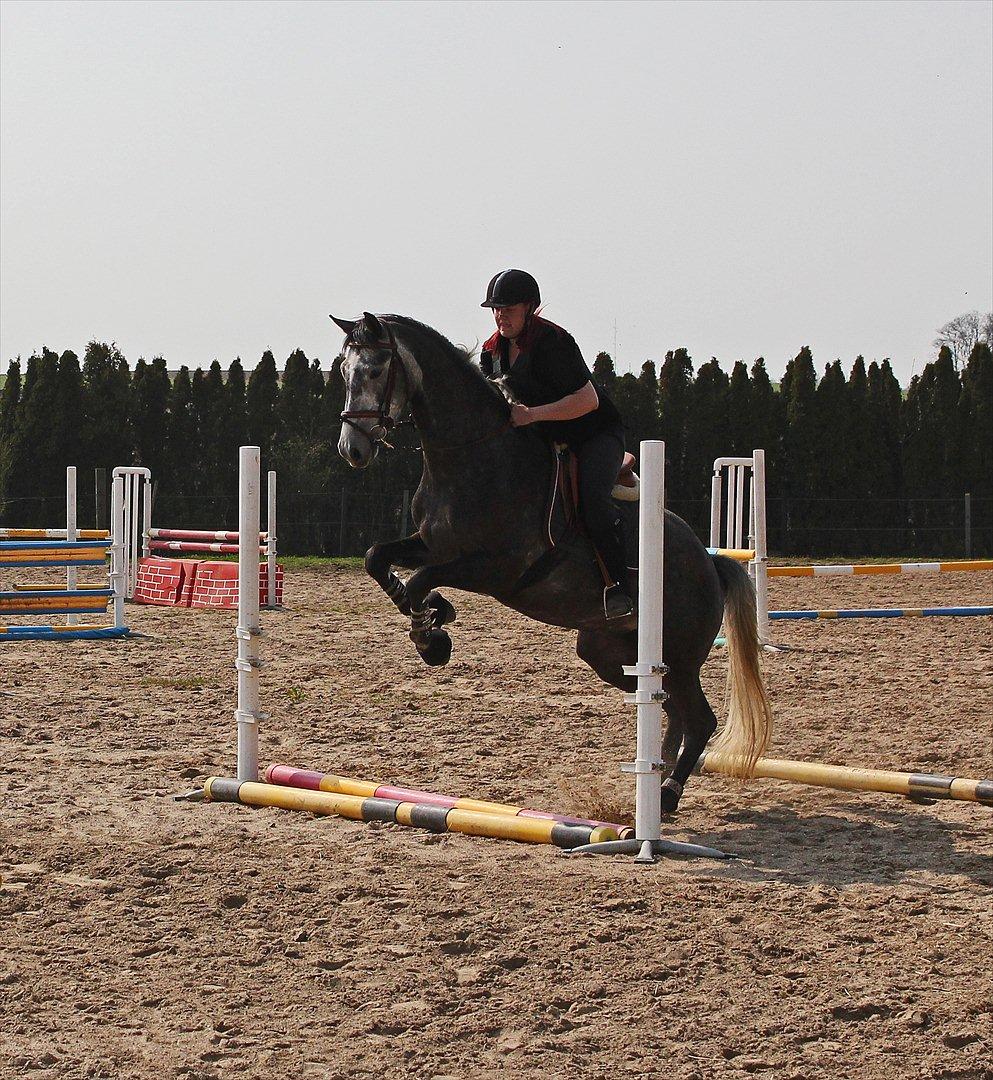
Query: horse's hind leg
x=689 y=713
x=607 y=653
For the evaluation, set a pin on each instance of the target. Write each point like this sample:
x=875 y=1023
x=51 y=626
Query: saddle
x=627 y=487
x=562 y=517
x=562 y=520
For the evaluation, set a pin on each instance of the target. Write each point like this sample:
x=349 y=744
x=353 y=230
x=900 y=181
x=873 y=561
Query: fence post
x=270 y=543
x=100 y=497
x=968 y=525
x=249 y=631
x=72 y=574
x=341 y=525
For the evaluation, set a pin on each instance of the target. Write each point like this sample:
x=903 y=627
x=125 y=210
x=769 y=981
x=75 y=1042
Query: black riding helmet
x=512 y=287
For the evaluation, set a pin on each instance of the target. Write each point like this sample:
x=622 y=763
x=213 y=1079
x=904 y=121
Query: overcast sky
x=205 y=180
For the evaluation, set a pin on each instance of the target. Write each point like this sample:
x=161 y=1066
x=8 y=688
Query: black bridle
x=384 y=421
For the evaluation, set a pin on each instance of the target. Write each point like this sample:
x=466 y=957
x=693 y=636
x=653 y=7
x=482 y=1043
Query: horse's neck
x=453 y=405
x=465 y=430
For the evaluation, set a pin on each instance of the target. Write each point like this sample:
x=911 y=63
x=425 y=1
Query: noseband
x=384 y=422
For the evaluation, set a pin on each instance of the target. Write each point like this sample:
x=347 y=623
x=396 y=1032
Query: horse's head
x=377 y=387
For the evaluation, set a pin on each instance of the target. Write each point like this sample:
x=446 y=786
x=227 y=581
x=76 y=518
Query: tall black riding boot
x=617 y=601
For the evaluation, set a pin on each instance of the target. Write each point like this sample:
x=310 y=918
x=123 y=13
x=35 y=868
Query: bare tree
x=962 y=333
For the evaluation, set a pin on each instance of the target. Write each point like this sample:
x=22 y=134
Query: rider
x=542 y=365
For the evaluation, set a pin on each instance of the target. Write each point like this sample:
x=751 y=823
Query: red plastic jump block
x=165 y=582
x=216 y=585
x=196 y=583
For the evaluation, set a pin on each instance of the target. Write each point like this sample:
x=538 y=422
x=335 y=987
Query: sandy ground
x=148 y=938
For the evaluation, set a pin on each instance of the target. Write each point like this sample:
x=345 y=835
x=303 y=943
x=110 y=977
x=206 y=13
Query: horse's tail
x=745 y=736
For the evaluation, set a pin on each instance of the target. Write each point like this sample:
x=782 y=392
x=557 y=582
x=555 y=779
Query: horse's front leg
x=425 y=604
x=380 y=559
x=411 y=553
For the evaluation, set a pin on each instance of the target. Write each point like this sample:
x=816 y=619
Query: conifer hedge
x=856 y=467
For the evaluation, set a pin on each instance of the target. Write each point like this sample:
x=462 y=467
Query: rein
x=472 y=442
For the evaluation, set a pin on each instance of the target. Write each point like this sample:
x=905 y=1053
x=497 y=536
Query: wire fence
x=348 y=520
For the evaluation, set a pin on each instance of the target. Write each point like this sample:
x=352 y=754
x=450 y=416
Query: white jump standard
x=648 y=768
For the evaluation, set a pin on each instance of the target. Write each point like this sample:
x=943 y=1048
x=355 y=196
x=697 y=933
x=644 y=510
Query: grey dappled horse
x=480 y=513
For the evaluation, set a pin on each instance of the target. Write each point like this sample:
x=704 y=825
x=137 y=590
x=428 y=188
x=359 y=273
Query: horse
x=480 y=514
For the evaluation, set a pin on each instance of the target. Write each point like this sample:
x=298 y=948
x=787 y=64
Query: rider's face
x=510 y=320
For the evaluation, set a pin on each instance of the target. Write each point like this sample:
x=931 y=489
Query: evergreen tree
x=36 y=461
x=604 y=374
x=884 y=403
x=69 y=405
x=675 y=392
x=173 y=493
x=150 y=389
x=234 y=430
x=768 y=420
x=740 y=420
x=863 y=447
x=931 y=412
x=107 y=428
x=10 y=397
x=710 y=438
x=317 y=381
x=800 y=452
x=636 y=398
x=199 y=455
x=977 y=456
x=260 y=400
x=829 y=512
x=221 y=476
x=298 y=414
x=331 y=407
x=625 y=397
x=297 y=407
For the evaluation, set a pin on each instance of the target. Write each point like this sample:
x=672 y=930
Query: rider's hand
x=520 y=416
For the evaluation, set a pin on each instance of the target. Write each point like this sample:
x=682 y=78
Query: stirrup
x=616 y=602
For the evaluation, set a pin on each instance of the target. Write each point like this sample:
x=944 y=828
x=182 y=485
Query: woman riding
x=543 y=367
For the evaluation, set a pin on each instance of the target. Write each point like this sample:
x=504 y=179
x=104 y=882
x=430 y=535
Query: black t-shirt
x=548 y=368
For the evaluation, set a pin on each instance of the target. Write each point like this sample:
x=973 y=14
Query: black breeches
x=600 y=460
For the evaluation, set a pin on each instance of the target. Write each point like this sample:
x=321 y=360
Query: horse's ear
x=373 y=325
x=348 y=325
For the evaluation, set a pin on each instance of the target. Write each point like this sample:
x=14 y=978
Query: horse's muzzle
x=357 y=446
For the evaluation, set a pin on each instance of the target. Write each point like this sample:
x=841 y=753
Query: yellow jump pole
x=43 y=586
x=845 y=778
x=419 y=815
x=52 y=534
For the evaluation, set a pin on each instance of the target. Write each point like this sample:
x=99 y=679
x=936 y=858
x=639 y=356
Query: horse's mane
x=457 y=354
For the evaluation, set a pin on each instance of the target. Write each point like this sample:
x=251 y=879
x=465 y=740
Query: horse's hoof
x=669 y=795
x=435 y=647
x=444 y=613
x=669 y=801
